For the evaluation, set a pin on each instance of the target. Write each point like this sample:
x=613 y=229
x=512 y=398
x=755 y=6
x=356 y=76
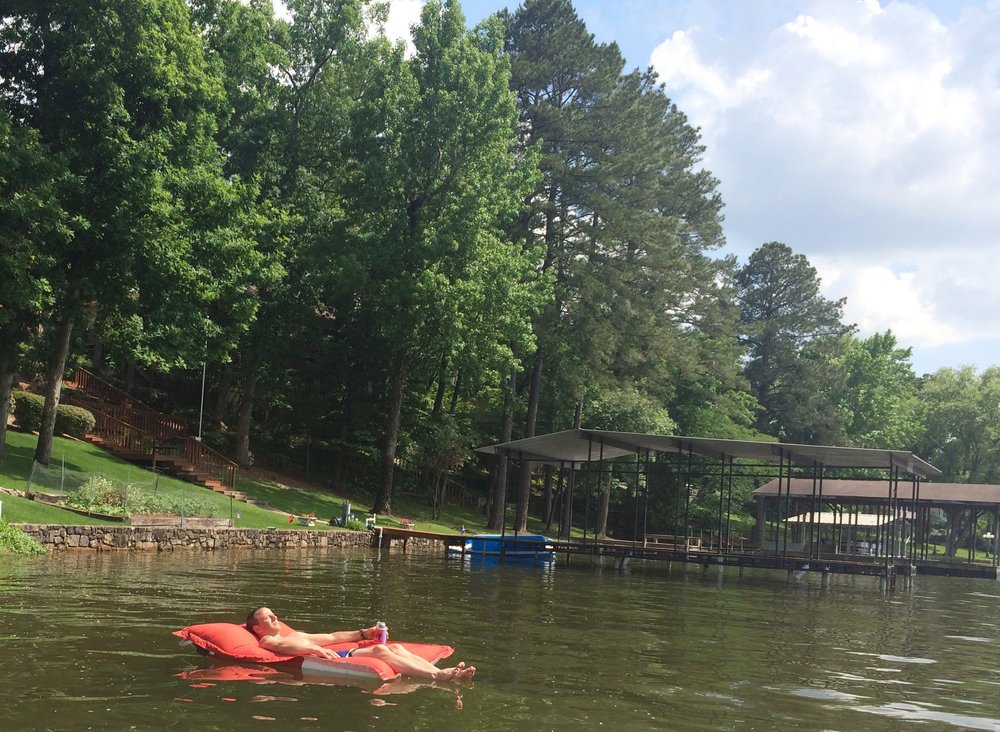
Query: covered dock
x=938 y=513
x=681 y=466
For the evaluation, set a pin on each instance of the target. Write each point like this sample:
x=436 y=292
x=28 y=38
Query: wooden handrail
x=131 y=424
x=130 y=410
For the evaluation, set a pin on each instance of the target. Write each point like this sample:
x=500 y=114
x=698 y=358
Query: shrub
x=70 y=420
x=101 y=495
x=15 y=541
x=73 y=421
x=355 y=524
x=28 y=410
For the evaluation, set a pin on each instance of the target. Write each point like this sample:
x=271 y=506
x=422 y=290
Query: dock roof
x=857 y=491
x=580 y=446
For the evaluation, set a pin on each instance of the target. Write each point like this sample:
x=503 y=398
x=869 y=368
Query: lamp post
x=201 y=408
x=989 y=537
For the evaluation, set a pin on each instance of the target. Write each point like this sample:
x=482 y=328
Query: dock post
x=827 y=576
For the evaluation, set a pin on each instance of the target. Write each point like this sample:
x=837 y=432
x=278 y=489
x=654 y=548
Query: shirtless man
x=264 y=624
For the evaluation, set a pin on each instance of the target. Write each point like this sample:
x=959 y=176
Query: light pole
x=201 y=409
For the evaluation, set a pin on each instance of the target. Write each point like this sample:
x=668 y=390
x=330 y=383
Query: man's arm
x=341 y=636
x=299 y=645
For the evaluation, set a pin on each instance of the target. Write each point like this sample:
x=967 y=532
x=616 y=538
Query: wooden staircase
x=143 y=436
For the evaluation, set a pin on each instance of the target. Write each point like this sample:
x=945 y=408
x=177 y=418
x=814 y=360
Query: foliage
x=962 y=424
x=156 y=257
x=14 y=541
x=102 y=495
x=70 y=420
x=27 y=410
x=620 y=221
x=354 y=524
x=880 y=393
x=73 y=421
x=790 y=332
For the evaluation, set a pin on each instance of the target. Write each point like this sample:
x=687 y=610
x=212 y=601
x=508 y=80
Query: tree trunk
x=222 y=396
x=601 y=527
x=244 y=421
x=343 y=432
x=524 y=488
x=383 y=501
x=547 y=502
x=427 y=472
x=954 y=518
x=498 y=491
x=54 y=381
x=7 y=374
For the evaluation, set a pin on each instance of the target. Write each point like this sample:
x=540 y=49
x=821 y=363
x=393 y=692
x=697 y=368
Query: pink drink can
x=381 y=632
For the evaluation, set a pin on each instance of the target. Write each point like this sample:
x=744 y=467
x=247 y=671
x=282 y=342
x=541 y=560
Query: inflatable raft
x=233 y=642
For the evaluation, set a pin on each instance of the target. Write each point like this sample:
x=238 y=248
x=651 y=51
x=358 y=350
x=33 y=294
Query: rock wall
x=152 y=538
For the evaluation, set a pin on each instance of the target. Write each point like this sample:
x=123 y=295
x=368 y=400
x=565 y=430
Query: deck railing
x=120 y=405
x=130 y=424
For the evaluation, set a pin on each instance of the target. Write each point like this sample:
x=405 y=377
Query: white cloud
x=403 y=14
x=862 y=135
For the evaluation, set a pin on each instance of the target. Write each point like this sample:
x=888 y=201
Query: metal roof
x=877 y=490
x=838 y=518
x=580 y=446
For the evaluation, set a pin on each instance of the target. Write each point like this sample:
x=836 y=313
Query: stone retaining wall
x=151 y=538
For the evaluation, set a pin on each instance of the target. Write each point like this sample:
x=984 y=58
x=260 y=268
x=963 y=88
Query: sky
x=862 y=134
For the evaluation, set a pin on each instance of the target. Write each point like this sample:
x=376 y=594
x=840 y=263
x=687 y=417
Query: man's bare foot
x=461 y=671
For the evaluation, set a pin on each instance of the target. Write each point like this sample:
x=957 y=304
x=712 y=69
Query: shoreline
x=66 y=537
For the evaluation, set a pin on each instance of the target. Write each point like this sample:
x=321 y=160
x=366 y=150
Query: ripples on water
x=86 y=644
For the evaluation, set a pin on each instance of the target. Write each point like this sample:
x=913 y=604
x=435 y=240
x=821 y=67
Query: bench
x=669 y=541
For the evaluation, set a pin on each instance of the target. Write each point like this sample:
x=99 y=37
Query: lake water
x=85 y=644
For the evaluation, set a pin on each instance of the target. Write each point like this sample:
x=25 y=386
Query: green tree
x=30 y=215
x=880 y=393
x=290 y=85
x=961 y=433
x=621 y=218
x=791 y=335
x=432 y=177
x=119 y=93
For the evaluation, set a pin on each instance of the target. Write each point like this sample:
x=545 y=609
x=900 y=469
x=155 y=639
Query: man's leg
x=411 y=664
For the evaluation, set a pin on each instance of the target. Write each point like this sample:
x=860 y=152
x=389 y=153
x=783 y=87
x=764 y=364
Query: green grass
x=287 y=500
x=82 y=457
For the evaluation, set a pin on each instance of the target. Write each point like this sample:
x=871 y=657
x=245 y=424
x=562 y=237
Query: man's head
x=262 y=622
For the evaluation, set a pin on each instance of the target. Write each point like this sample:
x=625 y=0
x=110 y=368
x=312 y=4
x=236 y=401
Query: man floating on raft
x=278 y=638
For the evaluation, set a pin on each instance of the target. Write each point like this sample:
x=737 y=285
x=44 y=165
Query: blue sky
x=863 y=134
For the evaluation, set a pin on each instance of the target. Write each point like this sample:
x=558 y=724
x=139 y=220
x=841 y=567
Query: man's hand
x=326 y=653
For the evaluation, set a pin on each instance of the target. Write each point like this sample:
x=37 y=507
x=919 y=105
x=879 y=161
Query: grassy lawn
x=85 y=458
x=287 y=500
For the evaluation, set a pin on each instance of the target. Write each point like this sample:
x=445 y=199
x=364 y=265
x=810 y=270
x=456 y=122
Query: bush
x=73 y=421
x=15 y=541
x=28 y=410
x=355 y=524
x=101 y=495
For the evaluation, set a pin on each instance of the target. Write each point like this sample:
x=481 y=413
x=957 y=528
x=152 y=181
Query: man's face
x=267 y=622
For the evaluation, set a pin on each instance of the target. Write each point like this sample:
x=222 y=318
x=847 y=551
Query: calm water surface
x=85 y=644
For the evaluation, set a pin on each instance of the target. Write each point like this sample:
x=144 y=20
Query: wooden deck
x=621 y=552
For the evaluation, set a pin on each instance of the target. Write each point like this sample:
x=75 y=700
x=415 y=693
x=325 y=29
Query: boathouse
x=795 y=495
